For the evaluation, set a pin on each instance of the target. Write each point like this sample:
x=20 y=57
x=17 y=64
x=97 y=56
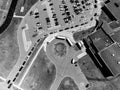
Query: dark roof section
x=114 y=7
x=97 y=59
x=108 y=13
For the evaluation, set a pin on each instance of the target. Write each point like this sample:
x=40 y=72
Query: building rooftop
x=114 y=7
x=116 y=36
x=111 y=57
x=100 y=39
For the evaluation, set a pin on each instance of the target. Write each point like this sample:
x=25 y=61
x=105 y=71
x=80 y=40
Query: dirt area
x=41 y=74
x=68 y=84
x=60 y=49
x=9 y=50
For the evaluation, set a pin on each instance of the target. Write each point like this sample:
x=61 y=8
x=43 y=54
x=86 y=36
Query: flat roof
x=100 y=39
x=111 y=57
x=114 y=9
x=116 y=36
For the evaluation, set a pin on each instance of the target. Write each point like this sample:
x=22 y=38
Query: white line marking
x=30 y=66
x=81 y=55
x=22 y=9
x=17 y=87
x=18 y=16
x=2 y=78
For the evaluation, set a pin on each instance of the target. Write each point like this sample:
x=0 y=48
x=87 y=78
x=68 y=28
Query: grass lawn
x=9 y=50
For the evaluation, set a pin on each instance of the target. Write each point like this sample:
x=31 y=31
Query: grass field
x=9 y=50
x=41 y=74
x=4 y=4
x=3 y=16
x=29 y=62
x=27 y=4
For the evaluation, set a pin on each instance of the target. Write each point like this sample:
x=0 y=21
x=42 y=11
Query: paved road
x=65 y=68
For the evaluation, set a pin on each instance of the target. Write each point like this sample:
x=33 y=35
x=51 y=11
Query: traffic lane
x=64 y=66
x=28 y=62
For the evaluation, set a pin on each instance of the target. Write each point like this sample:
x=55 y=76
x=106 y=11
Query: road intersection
x=28 y=27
